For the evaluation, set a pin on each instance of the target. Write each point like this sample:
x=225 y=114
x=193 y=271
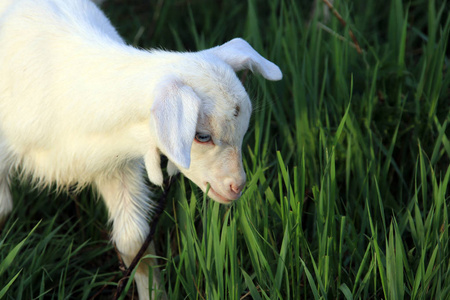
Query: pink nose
x=236 y=188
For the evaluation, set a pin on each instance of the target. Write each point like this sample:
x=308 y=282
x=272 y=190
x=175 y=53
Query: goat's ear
x=240 y=55
x=174 y=115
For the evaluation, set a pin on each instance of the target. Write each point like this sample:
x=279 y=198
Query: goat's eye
x=202 y=137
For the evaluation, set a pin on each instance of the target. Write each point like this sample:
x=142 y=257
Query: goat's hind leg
x=6 y=203
x=126 y=198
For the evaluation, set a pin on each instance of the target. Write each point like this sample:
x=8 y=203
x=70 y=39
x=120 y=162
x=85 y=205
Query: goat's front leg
x=6 y=203
x=129 y=207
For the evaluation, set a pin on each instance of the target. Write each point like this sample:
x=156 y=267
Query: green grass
x=347 y=160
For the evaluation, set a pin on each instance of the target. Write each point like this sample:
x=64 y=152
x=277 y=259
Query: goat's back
x=56 y=58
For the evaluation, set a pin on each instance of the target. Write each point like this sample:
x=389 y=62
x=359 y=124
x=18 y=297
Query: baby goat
x=78 y=106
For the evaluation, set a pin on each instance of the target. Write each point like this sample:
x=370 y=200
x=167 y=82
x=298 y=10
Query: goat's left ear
x=240 y=55
x=174 y=115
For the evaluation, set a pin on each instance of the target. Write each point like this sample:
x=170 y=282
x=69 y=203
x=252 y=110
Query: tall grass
x=347 y=162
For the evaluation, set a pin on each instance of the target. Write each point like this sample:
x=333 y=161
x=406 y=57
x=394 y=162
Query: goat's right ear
x=174 y=114
x=240 y=55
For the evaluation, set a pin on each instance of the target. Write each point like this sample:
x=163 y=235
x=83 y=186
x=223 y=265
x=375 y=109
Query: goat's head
x=201 y=115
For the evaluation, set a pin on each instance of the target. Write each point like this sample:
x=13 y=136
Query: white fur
x=79 y=107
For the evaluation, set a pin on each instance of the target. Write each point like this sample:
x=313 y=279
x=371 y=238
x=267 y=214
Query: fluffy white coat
x=78 y=106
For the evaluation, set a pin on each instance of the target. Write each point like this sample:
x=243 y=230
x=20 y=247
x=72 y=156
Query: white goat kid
x=78 y=106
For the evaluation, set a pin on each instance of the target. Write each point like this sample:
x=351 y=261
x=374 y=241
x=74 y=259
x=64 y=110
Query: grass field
x=347 y=162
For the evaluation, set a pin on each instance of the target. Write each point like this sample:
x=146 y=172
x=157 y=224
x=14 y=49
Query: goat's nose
x=237 y=188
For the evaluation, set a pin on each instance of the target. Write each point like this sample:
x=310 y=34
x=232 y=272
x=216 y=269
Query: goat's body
x=78 y=106
x=59 y=110
x=64 y=120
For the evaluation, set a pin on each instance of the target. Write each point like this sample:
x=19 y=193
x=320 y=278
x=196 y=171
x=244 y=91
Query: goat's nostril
x=236 y=188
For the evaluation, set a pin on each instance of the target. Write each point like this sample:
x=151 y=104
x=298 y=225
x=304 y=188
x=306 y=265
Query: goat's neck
x=119 y=87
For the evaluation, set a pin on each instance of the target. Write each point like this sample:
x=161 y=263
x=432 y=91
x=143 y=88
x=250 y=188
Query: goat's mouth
x=217 y=197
